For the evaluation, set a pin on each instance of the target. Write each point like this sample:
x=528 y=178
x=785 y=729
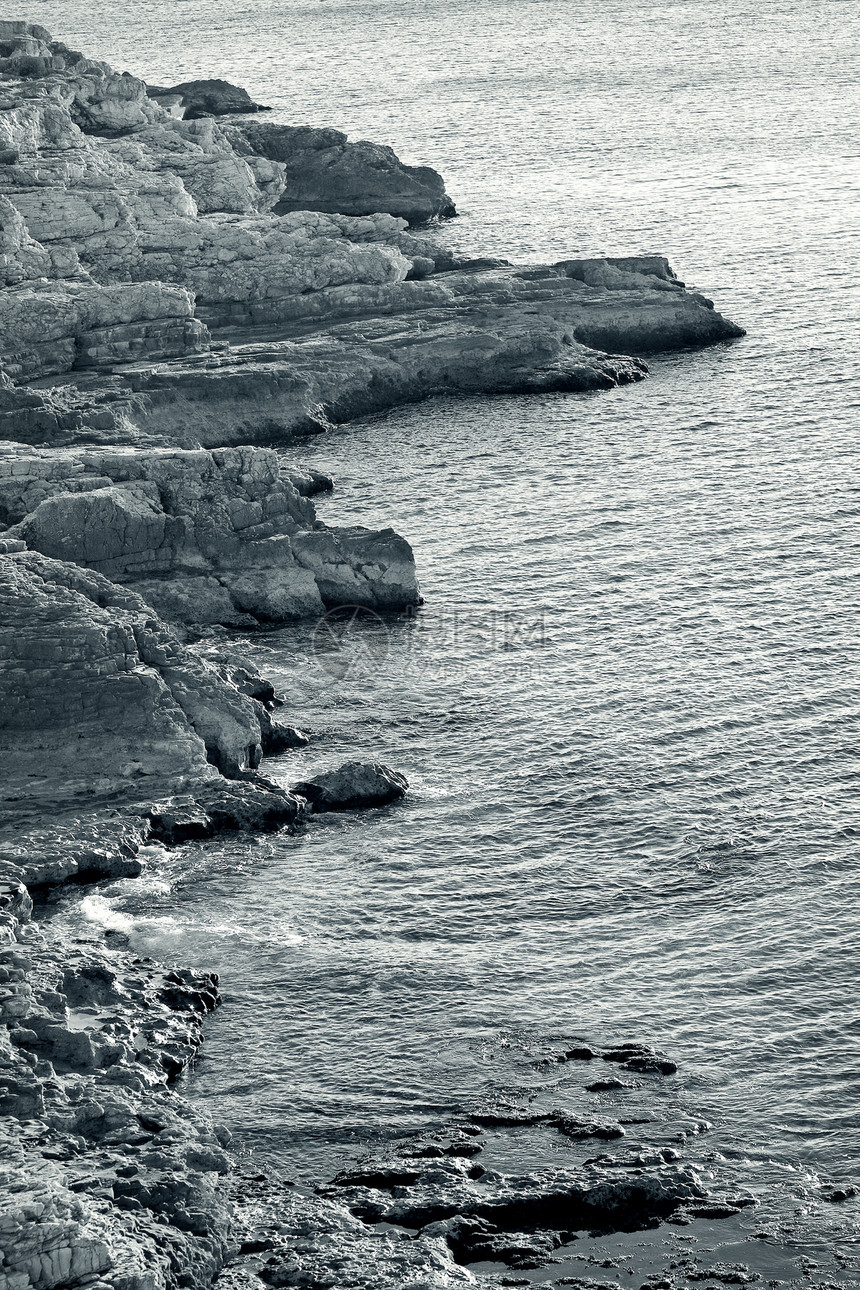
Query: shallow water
x=629 y=709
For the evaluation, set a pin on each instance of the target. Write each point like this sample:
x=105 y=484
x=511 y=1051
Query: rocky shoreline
x=187 y=292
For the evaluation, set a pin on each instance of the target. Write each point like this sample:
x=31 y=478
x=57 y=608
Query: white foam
x=96 y=909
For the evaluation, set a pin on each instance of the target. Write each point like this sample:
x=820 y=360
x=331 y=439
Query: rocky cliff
x=227 y=536
x=278 y=260
x=175 y=285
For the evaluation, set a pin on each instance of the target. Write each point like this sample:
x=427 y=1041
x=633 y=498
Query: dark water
x=629 y=710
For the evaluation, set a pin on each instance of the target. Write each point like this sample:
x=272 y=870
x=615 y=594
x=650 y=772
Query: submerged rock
x=353 y=787
x=639 y=1057
x=546 y=1201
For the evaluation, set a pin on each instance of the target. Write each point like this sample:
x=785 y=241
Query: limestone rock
x=549 y=1199
x=207 y=98
x=217 y=807
x=323 y=172
x=353 y=787
x=126 y=231
x=288 y=1239
x=277 y=736
x=107 y=1177
x=220 y=537
x=52 y=328
x=81 y=703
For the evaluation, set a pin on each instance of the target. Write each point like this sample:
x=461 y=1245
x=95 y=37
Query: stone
x=608 y=1085
x=97 y=1152
x=207 y=98
x=324 y=172
x=353 y=787
x=138 y=246
x=221 y=537
x=185 y=291
x=103 y=703
x=546 y=1201
x=51 y=329
x=639 y=1057
x=277 y=737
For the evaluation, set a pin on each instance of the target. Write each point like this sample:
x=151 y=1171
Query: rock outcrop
x=324 y=172
x=278 y=260
x=173 y=289
x=113 y=731
x=205 y=98
x=205 y=537
x=108 y=1177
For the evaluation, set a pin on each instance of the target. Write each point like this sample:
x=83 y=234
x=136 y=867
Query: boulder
x=353 y=787
x=207 y=98
x=278 y=737
x=324 y=172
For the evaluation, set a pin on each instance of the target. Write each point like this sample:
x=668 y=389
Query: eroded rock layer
x=130 y=236
x=227 y=536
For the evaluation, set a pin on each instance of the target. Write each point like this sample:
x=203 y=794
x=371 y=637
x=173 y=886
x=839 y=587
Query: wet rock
x=573 y=1128
x=582 y=1053
x=639 y=1057
x=712 y=1209
x=278 y=737
x=548 y=1201
x=728 y=1274
x=609 y=1085
x=354 y=786
x=473 y=1241
x=207 y=98
x=248 y=806
x=318 y=1244
x=461 y=1145
x=509 y=1118
x=384 y=1178
x=647 y=1065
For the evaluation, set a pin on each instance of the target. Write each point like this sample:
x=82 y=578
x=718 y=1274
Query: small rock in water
x=606 y=1085
x=839 y=1194
x=639 y=1057
x=353 y=787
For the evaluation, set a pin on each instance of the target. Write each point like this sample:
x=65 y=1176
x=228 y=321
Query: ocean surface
x=629 y=710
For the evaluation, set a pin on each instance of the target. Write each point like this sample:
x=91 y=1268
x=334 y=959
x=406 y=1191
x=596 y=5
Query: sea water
x=629 y=709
